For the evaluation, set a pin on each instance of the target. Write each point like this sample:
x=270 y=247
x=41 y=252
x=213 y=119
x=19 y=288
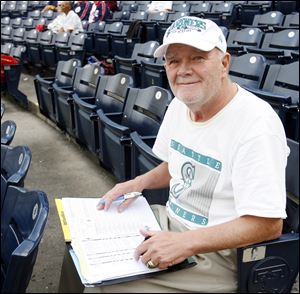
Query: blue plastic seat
x=143 y=160
x=15 y=162
x=110 y=97
x=277 y=47
x=143 y=112
x=8 y=130
x=248 y=70
x=84 y=84
x=154 y=74
x=131 y=66
x=44 y=86
x=23 y=221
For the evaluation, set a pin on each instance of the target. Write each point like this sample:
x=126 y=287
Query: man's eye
x=172 y=61
x=198 y=58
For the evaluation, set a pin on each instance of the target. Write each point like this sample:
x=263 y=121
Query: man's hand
x=163 y=248
x=116 y=191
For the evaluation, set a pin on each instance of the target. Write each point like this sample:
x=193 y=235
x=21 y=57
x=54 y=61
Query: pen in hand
x=122 y=197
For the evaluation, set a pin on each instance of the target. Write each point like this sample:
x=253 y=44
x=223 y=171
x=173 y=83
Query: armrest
x=270 y=266
x=111 y=121
x=47 y=80
x=87 y=103
x=63 y=90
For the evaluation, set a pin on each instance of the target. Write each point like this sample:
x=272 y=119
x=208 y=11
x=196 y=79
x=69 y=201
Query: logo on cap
x=186 y=24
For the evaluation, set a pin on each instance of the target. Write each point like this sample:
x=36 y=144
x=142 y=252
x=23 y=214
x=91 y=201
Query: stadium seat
x=110 y=96
x=131 y=66
x=33 y=48
x=103 y=46
x=90 y=36
x=154 y=74
x=277 y=47
x=23 y=221
x=48 y=48
x=17 y=22
x=272 y=266
x=143 y=160
x=143 y=112
x=19 y=36
x=15 y=162
x=249 y=9
x=223 y=14
x=248 y=70
x=6 y=34
x=84 y=84
x=44 y=86
x=8 y=130
x=280 y=85
x=74 y=48
x=281 y=90
x=239 y=40
x=267 y=21
x=12 y=71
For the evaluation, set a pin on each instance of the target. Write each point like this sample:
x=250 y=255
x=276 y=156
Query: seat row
x=24 y=214
x=115 y=121
x=45 y=48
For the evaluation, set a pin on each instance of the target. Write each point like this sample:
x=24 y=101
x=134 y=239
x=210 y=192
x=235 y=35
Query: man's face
x=63 y=7
x=195 y=76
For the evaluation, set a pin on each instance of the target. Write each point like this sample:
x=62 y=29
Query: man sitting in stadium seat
x=67 y=20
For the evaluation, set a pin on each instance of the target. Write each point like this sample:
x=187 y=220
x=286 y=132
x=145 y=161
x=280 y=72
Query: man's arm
x=166 y=248
x=156 y=178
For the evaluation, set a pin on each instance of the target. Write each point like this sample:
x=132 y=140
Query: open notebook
x=103 y=242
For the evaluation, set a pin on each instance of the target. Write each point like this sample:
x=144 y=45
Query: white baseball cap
x=202 y=34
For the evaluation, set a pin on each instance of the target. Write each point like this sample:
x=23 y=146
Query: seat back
x=283 y=80
x=270 y=19
x=285 y=40
x=8 y=130
x=23 y=221
x=239 y=40
x=86 y=80
x=15 y=162
x=145 y=108
x=65 y=72
x=248 y=70
x=112 y=92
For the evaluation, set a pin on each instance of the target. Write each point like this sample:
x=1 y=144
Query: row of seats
x=46 y=48
x=24 y=214
x=106 y=114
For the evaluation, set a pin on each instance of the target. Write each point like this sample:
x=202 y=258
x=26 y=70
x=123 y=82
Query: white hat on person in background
x=202 y=34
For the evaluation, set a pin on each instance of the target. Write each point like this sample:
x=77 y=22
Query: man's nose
x=185 y=67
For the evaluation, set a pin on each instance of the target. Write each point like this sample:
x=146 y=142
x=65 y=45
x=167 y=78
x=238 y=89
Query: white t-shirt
x=229 y=166
x=71 y=21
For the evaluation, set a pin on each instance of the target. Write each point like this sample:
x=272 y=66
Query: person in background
x=224 y=154
x=82 y=8
x=99 y=12
x=52 y=5
x=113 y=5
x=67 y=20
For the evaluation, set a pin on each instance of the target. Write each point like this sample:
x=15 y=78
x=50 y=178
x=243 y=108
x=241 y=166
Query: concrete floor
x=60 y=168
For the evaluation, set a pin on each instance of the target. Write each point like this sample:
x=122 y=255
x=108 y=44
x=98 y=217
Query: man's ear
x=226 y=61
